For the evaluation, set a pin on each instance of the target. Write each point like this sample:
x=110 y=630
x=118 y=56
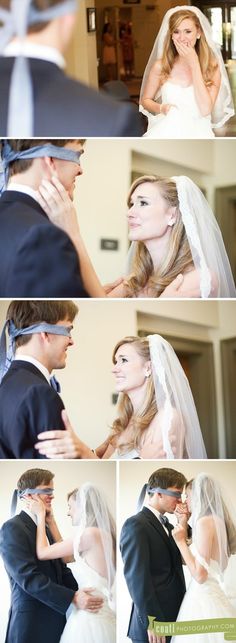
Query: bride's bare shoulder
x=191 y=284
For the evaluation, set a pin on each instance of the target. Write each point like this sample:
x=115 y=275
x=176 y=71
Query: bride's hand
x=165 y=108
x=58 y=206
x=36 y=506
x=187 y=52
x=179 y=534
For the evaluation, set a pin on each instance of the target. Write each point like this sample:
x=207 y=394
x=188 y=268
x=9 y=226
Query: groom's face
x=169 y=503
x=68 y=171
x=46 y=499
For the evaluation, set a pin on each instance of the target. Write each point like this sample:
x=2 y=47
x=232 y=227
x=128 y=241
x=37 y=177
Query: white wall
x=68 y=476
x=87 y=382
x=132 y=476
x=81 y=57
x=100 y=195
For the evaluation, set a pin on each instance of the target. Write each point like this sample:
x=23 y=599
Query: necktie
x=55 y=384
x=166 y=523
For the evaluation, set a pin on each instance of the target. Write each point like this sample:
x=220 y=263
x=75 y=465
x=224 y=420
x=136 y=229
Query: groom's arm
x=137 y=570
x=21 y=565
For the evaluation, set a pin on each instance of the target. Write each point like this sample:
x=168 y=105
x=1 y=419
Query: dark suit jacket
x=37 y=259
x=66 y=108
x=41 y=591
x=28 y=405
x=153 y=572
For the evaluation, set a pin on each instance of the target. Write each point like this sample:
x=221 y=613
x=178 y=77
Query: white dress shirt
x=25 y=189
x=157 y=514
x=33 y=50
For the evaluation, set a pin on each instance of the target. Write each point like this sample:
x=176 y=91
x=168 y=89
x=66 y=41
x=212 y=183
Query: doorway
x=226 y=217
x=142 y=22
x=228 y=356
x=222 y=16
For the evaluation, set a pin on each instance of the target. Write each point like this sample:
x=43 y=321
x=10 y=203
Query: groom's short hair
x=23 y=144
x=165 y=478
x=25 y=313
x=32 y=478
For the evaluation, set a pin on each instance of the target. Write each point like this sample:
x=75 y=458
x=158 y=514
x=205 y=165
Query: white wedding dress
x=182 y=121
x=86 y=627
x=204 y=601
x=128 y=455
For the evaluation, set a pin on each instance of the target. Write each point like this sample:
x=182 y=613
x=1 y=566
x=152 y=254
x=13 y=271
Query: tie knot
x=164 y=520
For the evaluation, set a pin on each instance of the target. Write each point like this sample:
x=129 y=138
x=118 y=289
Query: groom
x=41 y=591
x=37 y=259
x=29 y=399
x=152 y=561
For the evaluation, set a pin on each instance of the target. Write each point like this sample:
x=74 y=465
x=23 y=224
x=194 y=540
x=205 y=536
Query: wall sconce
x=91 y=19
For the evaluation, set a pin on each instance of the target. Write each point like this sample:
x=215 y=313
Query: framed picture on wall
x=91 y=19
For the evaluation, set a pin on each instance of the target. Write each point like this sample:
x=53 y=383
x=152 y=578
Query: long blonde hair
x=206 y=57
x=178 y=258
x=142 y=420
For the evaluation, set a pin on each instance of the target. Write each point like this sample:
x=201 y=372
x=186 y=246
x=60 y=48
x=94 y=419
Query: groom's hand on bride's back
x=84 y=599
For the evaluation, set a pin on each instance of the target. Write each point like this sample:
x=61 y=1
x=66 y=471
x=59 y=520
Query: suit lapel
x=31 y=526
x=57 y=561
x=168 y=540
x=153 y=520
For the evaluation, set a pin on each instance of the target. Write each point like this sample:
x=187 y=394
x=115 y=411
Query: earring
x=147 y=374
x=198 y=37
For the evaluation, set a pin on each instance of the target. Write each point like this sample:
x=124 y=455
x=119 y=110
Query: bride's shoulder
x=192 y=283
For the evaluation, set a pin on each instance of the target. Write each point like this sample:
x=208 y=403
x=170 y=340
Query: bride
x=176 y=248
x=156 y=414
x=93 y=550
x=185 y=90
x=214 y=540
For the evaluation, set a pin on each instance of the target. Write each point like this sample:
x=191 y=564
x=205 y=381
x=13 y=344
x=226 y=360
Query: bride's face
x=189 y=499
x=149 y=215
x=130 y=369
x=186 y=33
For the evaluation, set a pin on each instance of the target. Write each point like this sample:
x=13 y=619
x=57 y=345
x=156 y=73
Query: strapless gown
x=204 y=601
x=182 y=121
x=85 y=627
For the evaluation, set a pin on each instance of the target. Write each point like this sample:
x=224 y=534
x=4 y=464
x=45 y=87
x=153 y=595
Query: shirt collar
x=154 y=511
x=157 y=514
x=35 y=362
x=33 y=50
x=25 y=189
